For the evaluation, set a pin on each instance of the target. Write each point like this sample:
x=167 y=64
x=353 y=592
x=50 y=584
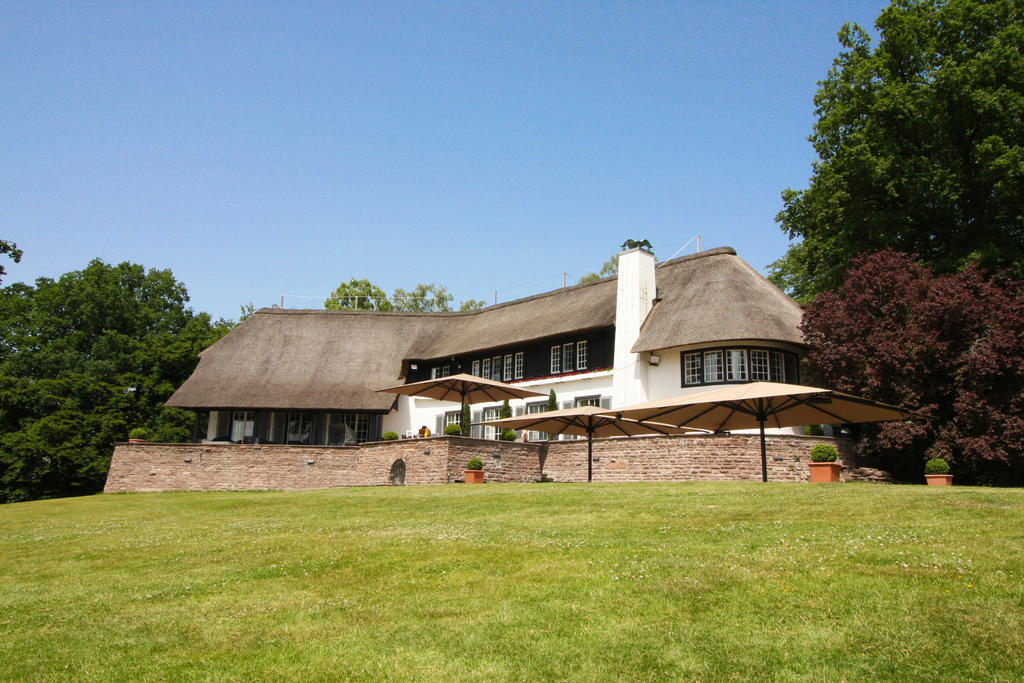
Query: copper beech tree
x=951 y=346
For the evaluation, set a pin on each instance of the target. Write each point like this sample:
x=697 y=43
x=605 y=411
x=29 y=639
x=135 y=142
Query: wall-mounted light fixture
x=188 y=459
x=426 y=451
x=311 y=462
x=654 y=359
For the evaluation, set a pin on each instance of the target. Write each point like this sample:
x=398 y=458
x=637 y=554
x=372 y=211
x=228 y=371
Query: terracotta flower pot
x=939 y=479
x=136 y=441
x=474 y=476
x=825 y=472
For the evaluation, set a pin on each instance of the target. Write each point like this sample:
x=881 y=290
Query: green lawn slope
x=518 y=582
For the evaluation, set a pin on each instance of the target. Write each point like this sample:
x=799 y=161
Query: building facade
x=656 y=330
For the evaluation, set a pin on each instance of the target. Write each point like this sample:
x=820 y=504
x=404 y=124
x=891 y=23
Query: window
x=758 y=366
x=491 y=414
x=736 y=365
x=713 y=371
x=496 y=368
x=778 y=367
x=508 y=367
x=452 y=417
x=476 y=368
x=556 y=360
x=300 y=428
x=442 y=371
x=531 y=408
x=519 y=365
x=567 y=358
x=243 y=424
x=581 y=355
x=358 y=426
x=487 y=368
x=692 y=368
x=588 y=401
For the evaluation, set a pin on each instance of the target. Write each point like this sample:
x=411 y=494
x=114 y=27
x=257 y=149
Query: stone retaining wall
x=208 y=467
x=711 y=457
x=439 y=460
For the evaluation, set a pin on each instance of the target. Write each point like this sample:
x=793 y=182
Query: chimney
x=634 y=298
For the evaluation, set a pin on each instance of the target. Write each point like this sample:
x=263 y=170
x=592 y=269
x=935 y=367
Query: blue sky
x=262 y=149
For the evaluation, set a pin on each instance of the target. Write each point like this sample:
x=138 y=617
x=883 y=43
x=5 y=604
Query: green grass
x=518 y=582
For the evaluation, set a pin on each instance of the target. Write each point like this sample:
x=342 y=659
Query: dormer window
x=716 y=366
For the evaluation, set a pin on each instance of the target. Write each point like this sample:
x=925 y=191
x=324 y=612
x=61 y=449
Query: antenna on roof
x=695 y=237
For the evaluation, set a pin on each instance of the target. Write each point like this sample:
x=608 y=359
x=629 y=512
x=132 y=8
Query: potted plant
x=138 y=435
x=388 y=436
x=936 y=473
x=475 y=471
x=508 y=435
x=452 y=430
x=824 y=468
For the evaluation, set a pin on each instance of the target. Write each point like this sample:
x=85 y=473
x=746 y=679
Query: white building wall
x=635 y=296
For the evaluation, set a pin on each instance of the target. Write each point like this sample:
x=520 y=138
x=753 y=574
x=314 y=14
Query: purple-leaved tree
x=949 y=345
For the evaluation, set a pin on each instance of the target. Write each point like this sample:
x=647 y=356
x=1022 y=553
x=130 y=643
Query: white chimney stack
x=635 y=296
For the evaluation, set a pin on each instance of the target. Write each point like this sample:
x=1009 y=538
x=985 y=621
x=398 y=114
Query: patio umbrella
x=589 y=421
x=464 y=389
x=745 y=406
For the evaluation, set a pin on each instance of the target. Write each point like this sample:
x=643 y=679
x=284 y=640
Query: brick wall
x=439 y=460
x=208 y=467
x=710 y=457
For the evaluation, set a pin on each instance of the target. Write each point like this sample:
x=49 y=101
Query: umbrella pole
x=590 y=456
x=764 y=456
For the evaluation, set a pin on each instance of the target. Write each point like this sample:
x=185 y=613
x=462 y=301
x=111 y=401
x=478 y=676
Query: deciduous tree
x=920 y=145
x=83 y=359
x=11 y=249
x=358 y=295
x=948 y=345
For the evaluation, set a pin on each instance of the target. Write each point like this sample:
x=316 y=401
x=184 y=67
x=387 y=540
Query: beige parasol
x=746 y=406
x=464 y=389
x=589 y=421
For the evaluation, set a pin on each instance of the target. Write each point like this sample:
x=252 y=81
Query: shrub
x=508 y=435
x=814 y=430
x=824 y=453
x=936 y=466
x=388 y=436
x=475 y=464
x=138 y=433
x=465 y=419
x=452 y=430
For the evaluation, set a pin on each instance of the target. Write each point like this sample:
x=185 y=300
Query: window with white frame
x=778 y=367
x=693 y=369
x=736 y=365
x=243 y=424
x=508 y=368
x=758 y=365
x=491 y=414
x=581 y=355
x=486 y=374
x=441 y=371
x=713 y=370
x=588 y=401
x=496 y=368
x=476 y=368
x=567 y=357
x=520 y=357
x=452 y=417
x=532 y=408
x=556 y=360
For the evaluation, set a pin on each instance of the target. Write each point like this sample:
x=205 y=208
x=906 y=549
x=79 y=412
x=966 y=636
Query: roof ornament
x=633 y=244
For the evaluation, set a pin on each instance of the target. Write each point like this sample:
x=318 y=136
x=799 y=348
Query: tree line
x=908 y=243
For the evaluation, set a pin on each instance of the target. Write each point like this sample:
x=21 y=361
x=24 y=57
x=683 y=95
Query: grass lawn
x=518 y=582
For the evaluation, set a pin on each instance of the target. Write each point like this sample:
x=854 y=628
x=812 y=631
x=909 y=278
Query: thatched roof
x=716 y=296
x=335 y=360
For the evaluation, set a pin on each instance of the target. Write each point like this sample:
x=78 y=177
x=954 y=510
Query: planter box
x=474 y=476
x=825 y=472
x=939 y=479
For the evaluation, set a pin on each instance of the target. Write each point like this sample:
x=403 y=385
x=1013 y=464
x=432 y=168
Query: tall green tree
x=920 y=145
x=11 y=249
x=423 y=298
x=610 y=267
x=83 y=359
x=358 y=295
